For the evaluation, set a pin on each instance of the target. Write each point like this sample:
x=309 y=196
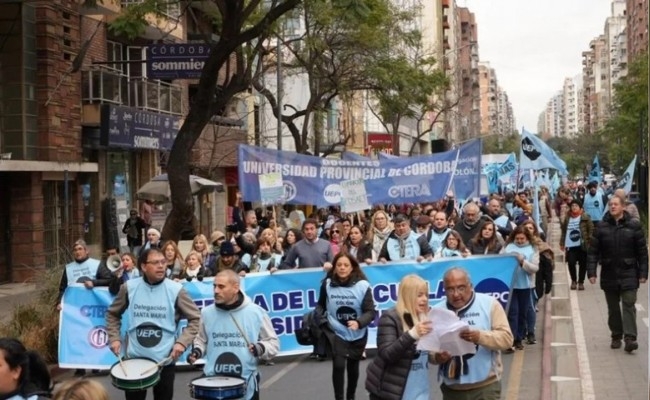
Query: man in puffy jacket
x=620 y=246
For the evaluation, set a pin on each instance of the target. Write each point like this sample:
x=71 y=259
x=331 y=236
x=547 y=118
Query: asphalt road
x=292 y=377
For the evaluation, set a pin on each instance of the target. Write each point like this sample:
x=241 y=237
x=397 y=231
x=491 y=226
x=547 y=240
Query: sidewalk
x=14 y=294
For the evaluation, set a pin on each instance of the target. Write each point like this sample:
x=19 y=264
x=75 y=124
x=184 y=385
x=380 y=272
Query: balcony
x=170 y=9
x=155 y=95
x=445 y=22
x=445 y=3
x=103 y=85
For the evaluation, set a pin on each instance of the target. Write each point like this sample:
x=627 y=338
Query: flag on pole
x=626 y=180
x=594 y=173
x=535 y=154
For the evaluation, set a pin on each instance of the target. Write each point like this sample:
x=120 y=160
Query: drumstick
x=240 y=330
x=119 y=359
x=153 y=368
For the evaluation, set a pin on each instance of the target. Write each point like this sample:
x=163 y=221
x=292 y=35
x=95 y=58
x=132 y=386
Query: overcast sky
x=534 y=44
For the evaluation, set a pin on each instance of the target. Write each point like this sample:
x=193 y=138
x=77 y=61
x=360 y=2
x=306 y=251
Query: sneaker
x=268 y=362
x=519 y=345
x=321 y=357
x=79 y=373
x=364 y=355
x=616 y=343
x=313 y=356
x=574 y=286
x=581 y=286
x=630 y=345
x=509 y=350
x=531 y=339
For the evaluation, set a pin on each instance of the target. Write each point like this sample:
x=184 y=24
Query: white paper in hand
x=445 y=335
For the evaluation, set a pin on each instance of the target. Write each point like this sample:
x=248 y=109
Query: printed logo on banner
x=495 y=288
x=574 y=235
x=98 y=337
x=228 y=364
x=148 y=335
x=529 y=149
x=92 y=311
x=332 y=193
x=290 y=190
x=623 y=182
x=409 y=191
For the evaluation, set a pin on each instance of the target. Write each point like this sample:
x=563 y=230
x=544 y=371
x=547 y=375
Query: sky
x=534 y=44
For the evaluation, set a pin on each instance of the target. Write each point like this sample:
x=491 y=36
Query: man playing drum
x=153 y=306
x=234 y=334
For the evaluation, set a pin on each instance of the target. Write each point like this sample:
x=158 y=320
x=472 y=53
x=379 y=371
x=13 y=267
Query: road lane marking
x=645 y=321
x=282 y=373
x=581 y=345
x=514 y=378
x=639 y=307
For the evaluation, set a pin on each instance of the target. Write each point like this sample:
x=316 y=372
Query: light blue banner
x=286 y=295
x=625 y=182
x=316 y=180
x=535 y=154
x=467 y=179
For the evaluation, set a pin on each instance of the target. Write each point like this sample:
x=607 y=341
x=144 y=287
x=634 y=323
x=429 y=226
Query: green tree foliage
x=502 y=144
x=626 y=133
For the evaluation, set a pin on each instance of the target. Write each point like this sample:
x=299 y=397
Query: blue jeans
x=531 y=315
x=519 y=304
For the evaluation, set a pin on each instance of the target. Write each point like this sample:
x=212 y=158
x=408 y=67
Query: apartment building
x=616 y=41
x=488 y=92
x=83 y=126
x=595 y=81
x=469 y=102
x=571 y=102
x=637 y=28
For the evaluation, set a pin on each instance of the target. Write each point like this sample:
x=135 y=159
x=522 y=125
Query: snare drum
x=218 y=388
x=141 y=373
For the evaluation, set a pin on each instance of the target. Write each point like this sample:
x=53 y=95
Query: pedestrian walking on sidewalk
x=620 y=246
x=577 y=230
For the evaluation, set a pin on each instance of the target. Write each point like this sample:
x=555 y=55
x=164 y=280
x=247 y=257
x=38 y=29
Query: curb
x=547 y=359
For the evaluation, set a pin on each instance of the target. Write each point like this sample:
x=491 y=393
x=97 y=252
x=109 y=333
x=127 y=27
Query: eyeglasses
x=157 y=262
x=336 y=231
x=460 y=289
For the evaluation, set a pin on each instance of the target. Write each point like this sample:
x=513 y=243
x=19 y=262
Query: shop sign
x=176 y=60
x=132 y=128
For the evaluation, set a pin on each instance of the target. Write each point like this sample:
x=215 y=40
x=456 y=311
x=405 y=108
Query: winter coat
x=387 y=373
x=621 y=248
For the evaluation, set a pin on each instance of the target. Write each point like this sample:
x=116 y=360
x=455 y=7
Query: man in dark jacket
x=620 y=246
x=471 y=223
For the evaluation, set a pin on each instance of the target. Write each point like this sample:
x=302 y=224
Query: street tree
x=626 y=131
x=242 y=26
x=341 y=40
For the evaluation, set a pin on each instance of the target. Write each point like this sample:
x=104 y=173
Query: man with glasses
x=478 y=375
x=154 y=306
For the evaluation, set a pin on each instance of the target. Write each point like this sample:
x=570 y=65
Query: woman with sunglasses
x=336 y=237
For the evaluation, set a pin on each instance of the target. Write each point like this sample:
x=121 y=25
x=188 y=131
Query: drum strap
x=256 y=381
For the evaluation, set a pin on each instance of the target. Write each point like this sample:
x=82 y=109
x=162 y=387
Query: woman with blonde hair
x=399 y=371
x=379 y=230
x=271 y=235
x=174 y=259
x=80 y=389
x=194 y=267
x=200 y=245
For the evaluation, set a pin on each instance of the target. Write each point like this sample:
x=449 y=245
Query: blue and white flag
x=508 y=167
x=594 y=173
x=315 y=180
x=467 y=179
x=628 y=176
x=555 y=183
x=535 y=154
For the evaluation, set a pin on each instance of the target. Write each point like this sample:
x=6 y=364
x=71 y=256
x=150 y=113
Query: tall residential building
x=541 y=125
x=469 y=103
x=488 y=92
x=571 y=100
x=452 y=44
x=595 y=84
x=505 y=123
x=637 y=28
x=616 y=47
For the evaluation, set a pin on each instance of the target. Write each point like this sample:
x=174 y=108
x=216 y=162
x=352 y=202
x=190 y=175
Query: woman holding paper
x=346 y=301
x=399 y=371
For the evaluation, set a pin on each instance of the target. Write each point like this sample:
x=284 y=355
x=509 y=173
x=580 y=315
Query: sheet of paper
x=445 y=335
